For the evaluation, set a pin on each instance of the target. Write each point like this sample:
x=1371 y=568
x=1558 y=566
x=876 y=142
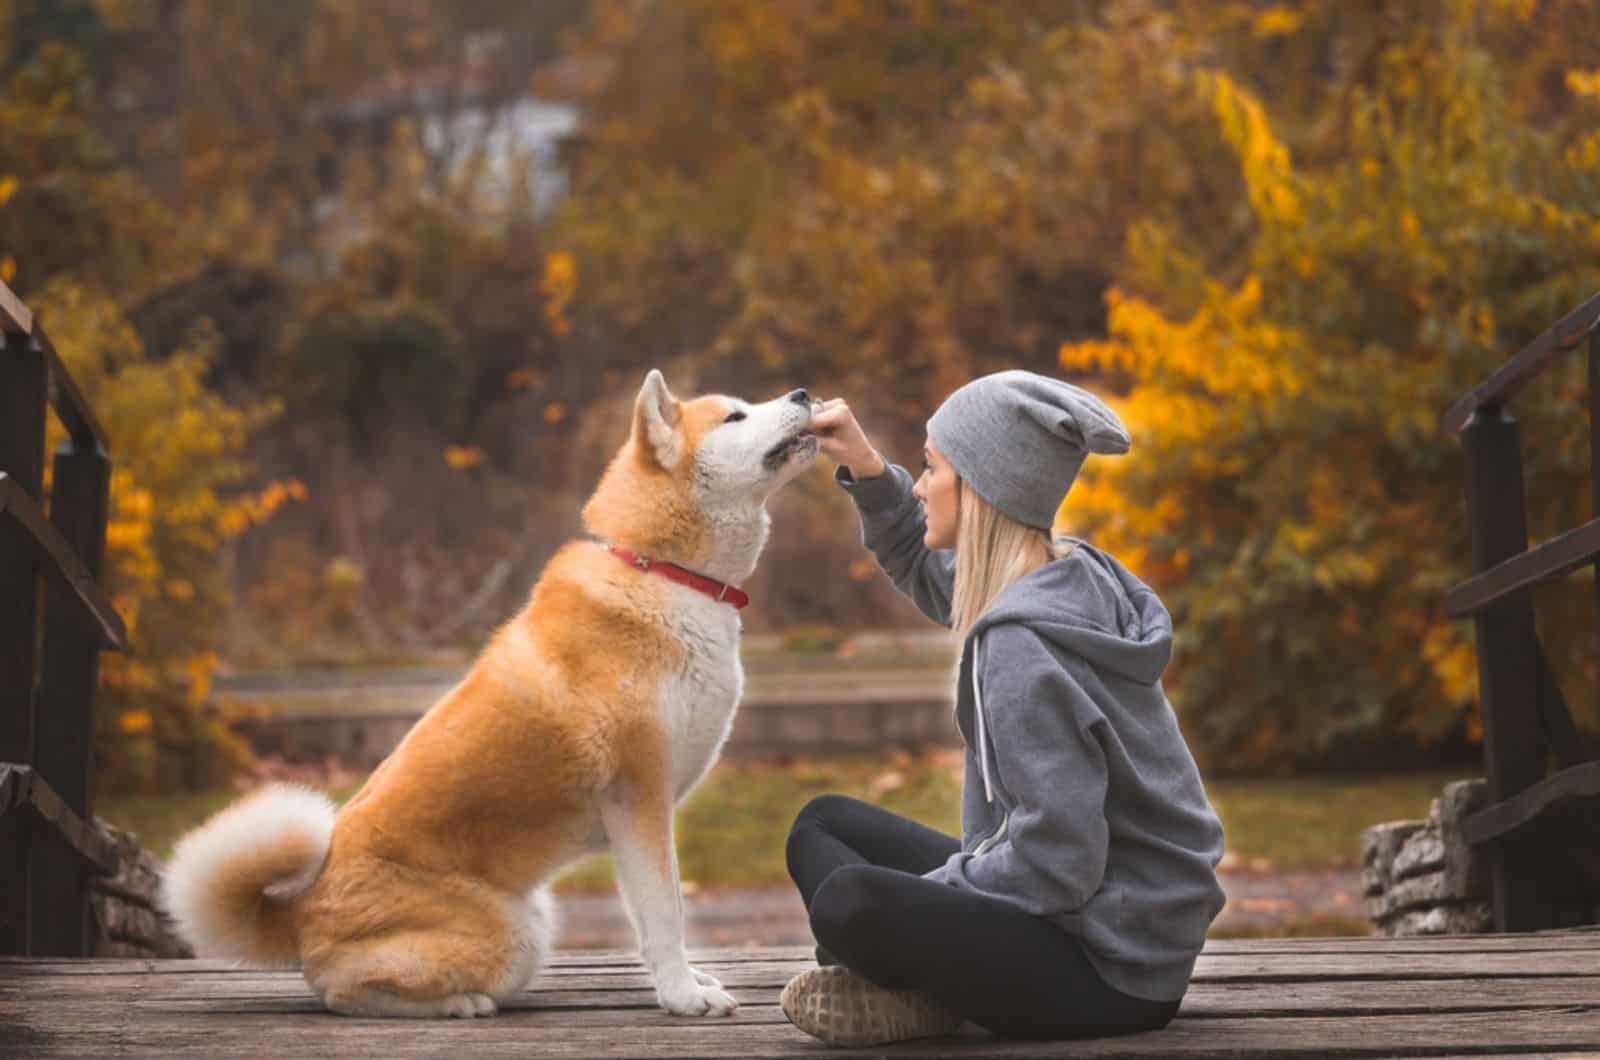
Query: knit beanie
x=1019 y=438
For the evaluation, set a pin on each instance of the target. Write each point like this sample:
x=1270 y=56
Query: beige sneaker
x=841 y=1008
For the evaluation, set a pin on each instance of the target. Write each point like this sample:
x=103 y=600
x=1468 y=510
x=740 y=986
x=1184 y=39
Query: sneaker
x=840 y=1007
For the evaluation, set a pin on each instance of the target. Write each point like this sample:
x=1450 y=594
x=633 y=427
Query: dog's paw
x=705 y=978
x=468 y=1006
x=697 y=999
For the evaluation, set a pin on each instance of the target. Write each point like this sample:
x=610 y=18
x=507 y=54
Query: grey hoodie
x=1082 y=803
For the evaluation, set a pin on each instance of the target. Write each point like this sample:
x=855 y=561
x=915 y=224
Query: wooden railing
x=1542 y=828
x=49 y=661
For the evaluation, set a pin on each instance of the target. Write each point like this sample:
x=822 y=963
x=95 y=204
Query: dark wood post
x=1594 y=463
x=24 y=382
x=64 y=727
x=1508 y=658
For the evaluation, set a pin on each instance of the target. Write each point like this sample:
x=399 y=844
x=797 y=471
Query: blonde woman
x=1082 y=888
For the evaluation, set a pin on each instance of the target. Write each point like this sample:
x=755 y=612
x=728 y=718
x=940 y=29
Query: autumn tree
x=79 y=230
x=1293 y=494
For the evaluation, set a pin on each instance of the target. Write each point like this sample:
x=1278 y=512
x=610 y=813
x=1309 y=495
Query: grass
x=1316 y=822
x=731 y=831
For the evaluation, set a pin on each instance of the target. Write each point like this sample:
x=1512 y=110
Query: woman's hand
x=840 y=436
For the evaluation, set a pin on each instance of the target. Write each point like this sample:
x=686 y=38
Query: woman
x=1082 y=888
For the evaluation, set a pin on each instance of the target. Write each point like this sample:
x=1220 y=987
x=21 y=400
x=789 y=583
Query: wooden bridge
x=1470 y=995
x=1532 y=988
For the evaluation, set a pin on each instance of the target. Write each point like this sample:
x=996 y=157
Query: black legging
x=859 y=870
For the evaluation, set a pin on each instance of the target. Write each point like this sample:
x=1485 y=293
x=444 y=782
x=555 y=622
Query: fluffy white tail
x=232 y=882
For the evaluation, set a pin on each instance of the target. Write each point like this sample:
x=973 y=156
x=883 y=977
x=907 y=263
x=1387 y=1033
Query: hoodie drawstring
x=977 y=713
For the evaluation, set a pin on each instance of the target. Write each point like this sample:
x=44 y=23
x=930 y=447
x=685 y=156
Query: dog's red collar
x=720 y=591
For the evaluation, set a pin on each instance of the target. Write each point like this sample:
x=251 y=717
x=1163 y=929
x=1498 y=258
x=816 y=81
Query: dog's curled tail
x=232 y=882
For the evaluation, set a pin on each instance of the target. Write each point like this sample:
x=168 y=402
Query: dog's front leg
x=636 y=809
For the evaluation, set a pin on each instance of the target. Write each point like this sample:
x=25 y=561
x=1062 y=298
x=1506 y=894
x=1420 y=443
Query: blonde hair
x=992 y=551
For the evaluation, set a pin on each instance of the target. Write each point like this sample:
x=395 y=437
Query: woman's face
x=939 y=490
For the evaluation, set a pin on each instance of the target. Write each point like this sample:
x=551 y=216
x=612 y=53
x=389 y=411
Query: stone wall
x=123 y=911
x=1421 y=876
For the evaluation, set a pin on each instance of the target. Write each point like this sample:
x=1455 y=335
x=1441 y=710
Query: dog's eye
x=734 y=417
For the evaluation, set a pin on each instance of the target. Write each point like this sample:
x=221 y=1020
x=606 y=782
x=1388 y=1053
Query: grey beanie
x=1019 y=438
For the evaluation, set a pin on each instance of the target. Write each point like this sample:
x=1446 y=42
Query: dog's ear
x=658 y=422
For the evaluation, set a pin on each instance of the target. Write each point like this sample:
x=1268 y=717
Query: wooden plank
x=1204 y=1000
x=73 y=409
x=64 y=715
x=1457 y=947
x=1594 y=459
x=113 y=1029
x=1560 y=731
x=22 y=415
x=1508 y=661
x=1264 y=968
x=22 y=788
x=70 y=665
x=1551 y=559
x=1478 y=995
x=1528 y=362
x=23 y=384
x=1503 y=817
x=22 y=516
x=15 y=317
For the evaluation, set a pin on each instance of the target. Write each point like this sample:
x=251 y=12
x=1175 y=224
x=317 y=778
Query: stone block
x=1466 y=867
x=1423 y=852
x=1456 y=919
x=1417 y=891
x=127 y=922
x=1379 y=845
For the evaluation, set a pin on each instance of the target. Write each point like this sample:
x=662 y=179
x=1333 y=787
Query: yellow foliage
x=134 y=722
x=176 y=499
x=1584 y=83
x=1228 y=348
x=8 y=188
x=1584 y=152
x=199 y=669
x=462 y=457
x=559 y=285
x=1279 y=21
x=1264 y=159
x=8 y=269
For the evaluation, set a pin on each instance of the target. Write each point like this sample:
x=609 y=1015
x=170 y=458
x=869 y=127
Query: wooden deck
x=1468 y=995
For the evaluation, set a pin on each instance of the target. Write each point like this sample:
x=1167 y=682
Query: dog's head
x=698 y=462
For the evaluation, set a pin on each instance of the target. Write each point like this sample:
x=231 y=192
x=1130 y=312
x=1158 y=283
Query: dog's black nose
x=799 y=397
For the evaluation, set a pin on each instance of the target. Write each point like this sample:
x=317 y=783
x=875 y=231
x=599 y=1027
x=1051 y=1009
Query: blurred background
x=363 y=289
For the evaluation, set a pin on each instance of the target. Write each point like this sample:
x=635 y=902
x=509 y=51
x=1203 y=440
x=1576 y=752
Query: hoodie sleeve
x=892 y=526
x=1049 y=855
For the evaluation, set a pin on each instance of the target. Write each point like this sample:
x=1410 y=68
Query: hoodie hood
x=1091 y=605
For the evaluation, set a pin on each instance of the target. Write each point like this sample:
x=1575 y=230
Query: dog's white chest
x=699 y=701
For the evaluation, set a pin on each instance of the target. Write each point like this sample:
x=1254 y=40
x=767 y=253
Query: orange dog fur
x=582 y=723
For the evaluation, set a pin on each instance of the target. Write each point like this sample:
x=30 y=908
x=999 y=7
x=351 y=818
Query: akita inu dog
x=584 y=721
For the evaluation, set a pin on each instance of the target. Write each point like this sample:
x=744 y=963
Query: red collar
x=719 y=591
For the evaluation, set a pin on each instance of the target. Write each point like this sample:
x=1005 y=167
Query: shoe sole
x=841 y=1008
